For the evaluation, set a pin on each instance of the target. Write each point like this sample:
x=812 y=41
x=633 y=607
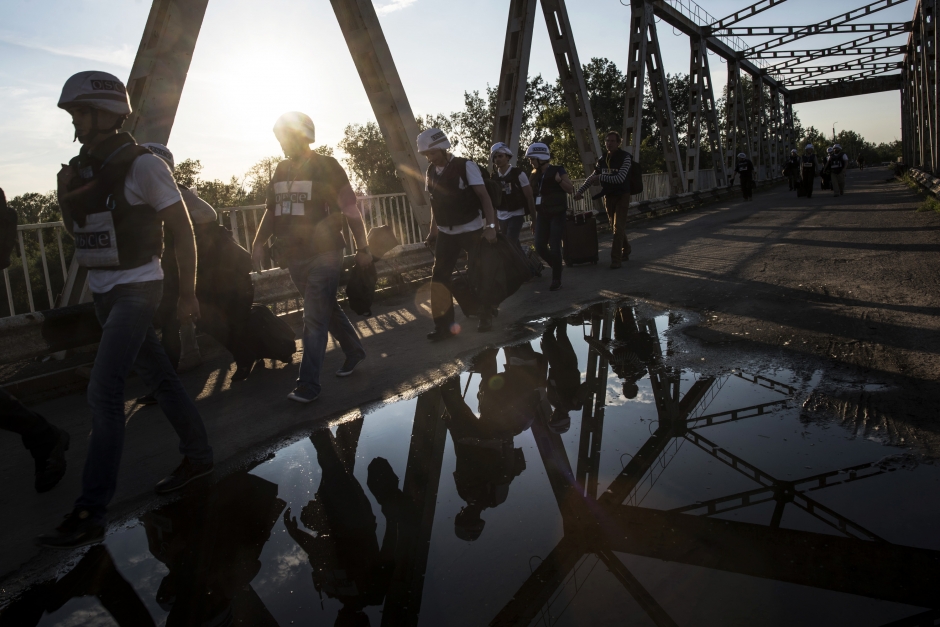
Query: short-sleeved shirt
x=149 y=182
x=474 y=177
x=505 y=215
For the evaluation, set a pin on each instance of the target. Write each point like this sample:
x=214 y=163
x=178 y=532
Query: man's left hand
x=363 y=259
x=489 y=235
x=188 y=308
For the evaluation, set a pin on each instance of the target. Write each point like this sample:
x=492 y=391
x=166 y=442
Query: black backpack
x=360 y=290
x=635 y=177
x=273 y=338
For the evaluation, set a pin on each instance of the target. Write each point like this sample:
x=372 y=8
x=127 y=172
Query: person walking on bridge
x=744 y=167
x=517 y=194
x=116 y=197
x=611 y=172
x=808 y=170
x=792 y=170
x=307 y=199
x=461 y=214
x=552 y=186
x=836 y=165
x=825 y=176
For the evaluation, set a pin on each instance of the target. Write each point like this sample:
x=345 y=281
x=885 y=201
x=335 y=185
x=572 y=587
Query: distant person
x=611 y=172
x=517 y=199
x=307 y=199
x=45 y=442
x=860 y=160
x=825 y=175
x=792 y=169
x=461 y=214
x=116 y=197
x=808 y=170
x=551 y=186
x=745 y=168
x=837 y=164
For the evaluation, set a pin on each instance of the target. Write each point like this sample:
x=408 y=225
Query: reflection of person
x=631 y=352
x=211 y=544
x=565 y=390
x=348 y=564
x=95 y=575
x=487 y=460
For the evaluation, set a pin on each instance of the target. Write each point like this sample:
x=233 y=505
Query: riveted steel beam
x=880 y=67
x=840 y=79
x=737 y=133
x=159 y=72
x=846 y=89
x=849 y=47
x=813 y=29
x=745 y=13
x=662 y=107
x=702 y=116
x=513 y=75
x=640 y=17
x=765 y=31
x=838 y=67
x=373 y=58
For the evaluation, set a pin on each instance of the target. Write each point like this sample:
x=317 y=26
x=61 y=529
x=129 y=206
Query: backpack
x=272 y=337
x=635 y=178
x=360 y=290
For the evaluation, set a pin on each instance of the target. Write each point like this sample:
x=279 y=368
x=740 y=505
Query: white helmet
x=829 y=149
x=741 y=155
x=161 y=151
x=837 y=147
x=538 y=150
x=295 y=123
x=98 y=90
x=500 y=147
x=432 y=139
x=809 y=147
x=793 y=152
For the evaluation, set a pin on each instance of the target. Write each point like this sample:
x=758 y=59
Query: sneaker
x=303 y=394
x=555 y=286
x=50 y=461
x=440 y=334
x=78 y=529
x=349 y=365
x=485 y=325
x=614 y=265
x=184 y=474
x=147 y=399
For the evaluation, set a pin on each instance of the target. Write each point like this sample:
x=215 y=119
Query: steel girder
x=810 y=73
x=702 y=112
x=801 y=56
x=160 y=68
x=765 y=31
x=852 y=64
x=373 y=58
x=874 y=7
x=849 y=88
x=840 y=79
x=738 y=133
x=513 y=75
x=757 y=131
x=745 y=13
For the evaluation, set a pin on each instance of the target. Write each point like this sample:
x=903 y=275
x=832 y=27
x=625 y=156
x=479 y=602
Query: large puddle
x=574 y=480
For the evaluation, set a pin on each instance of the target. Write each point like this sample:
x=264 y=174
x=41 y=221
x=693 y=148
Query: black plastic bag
x=360 y=290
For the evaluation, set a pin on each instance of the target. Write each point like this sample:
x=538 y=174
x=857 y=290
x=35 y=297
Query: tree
x=369 y=160
x=187 y=172
x=258 y=178
x=33 y=207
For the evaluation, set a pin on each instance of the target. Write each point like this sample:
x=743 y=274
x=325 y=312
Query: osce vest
x=836 y=163
x=744 y=168
x=451 y=204
x=809 y=165
x=609 y=165
x=307 y=216
x=513 y=197
x=554 y=200
x=110 y=232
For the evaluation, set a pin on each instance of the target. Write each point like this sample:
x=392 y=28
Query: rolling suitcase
x=580 y=241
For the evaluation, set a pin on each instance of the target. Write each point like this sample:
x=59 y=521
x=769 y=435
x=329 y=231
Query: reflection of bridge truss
x=860 y=563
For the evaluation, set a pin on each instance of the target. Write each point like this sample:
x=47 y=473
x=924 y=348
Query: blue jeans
x=317 y=278
x=129 y=341
x=549 y=231
x=511 y=228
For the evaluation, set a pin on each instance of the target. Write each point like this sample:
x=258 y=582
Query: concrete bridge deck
x=848 y=281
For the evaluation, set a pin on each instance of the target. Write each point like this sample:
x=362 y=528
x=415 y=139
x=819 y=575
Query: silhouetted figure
x=211 y=542
x=348 y=564
x=95 y=575
x=45 y=442
x=631 y=351
x=566 y=392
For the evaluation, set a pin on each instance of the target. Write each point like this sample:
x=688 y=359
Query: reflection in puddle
x=577 y=479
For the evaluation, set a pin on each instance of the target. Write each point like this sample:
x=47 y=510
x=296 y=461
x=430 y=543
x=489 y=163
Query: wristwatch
x=490 y=226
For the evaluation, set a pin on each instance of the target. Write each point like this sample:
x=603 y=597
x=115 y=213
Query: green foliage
x=33 y=208
x=259 y=176
x=368 y=159
x=187 y=172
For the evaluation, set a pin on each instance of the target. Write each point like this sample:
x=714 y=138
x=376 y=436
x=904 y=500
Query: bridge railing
x=37 y=286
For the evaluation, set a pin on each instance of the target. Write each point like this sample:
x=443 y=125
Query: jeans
x=617 y=208
x=747 y=187
x=447 y=251
x=807 y=183
x=129 y=341
x=32 y=427
x=549 y=231
x=511 y=229
x=317 y=278
x=837 y=183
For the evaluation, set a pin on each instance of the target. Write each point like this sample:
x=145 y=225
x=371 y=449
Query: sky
x=255 y=60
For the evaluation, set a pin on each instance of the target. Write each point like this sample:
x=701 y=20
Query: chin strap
x=97 y=131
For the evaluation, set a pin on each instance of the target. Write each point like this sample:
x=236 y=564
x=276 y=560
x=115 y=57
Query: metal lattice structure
x=761 y=77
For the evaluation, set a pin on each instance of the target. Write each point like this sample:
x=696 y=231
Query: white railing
x=29 y=266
